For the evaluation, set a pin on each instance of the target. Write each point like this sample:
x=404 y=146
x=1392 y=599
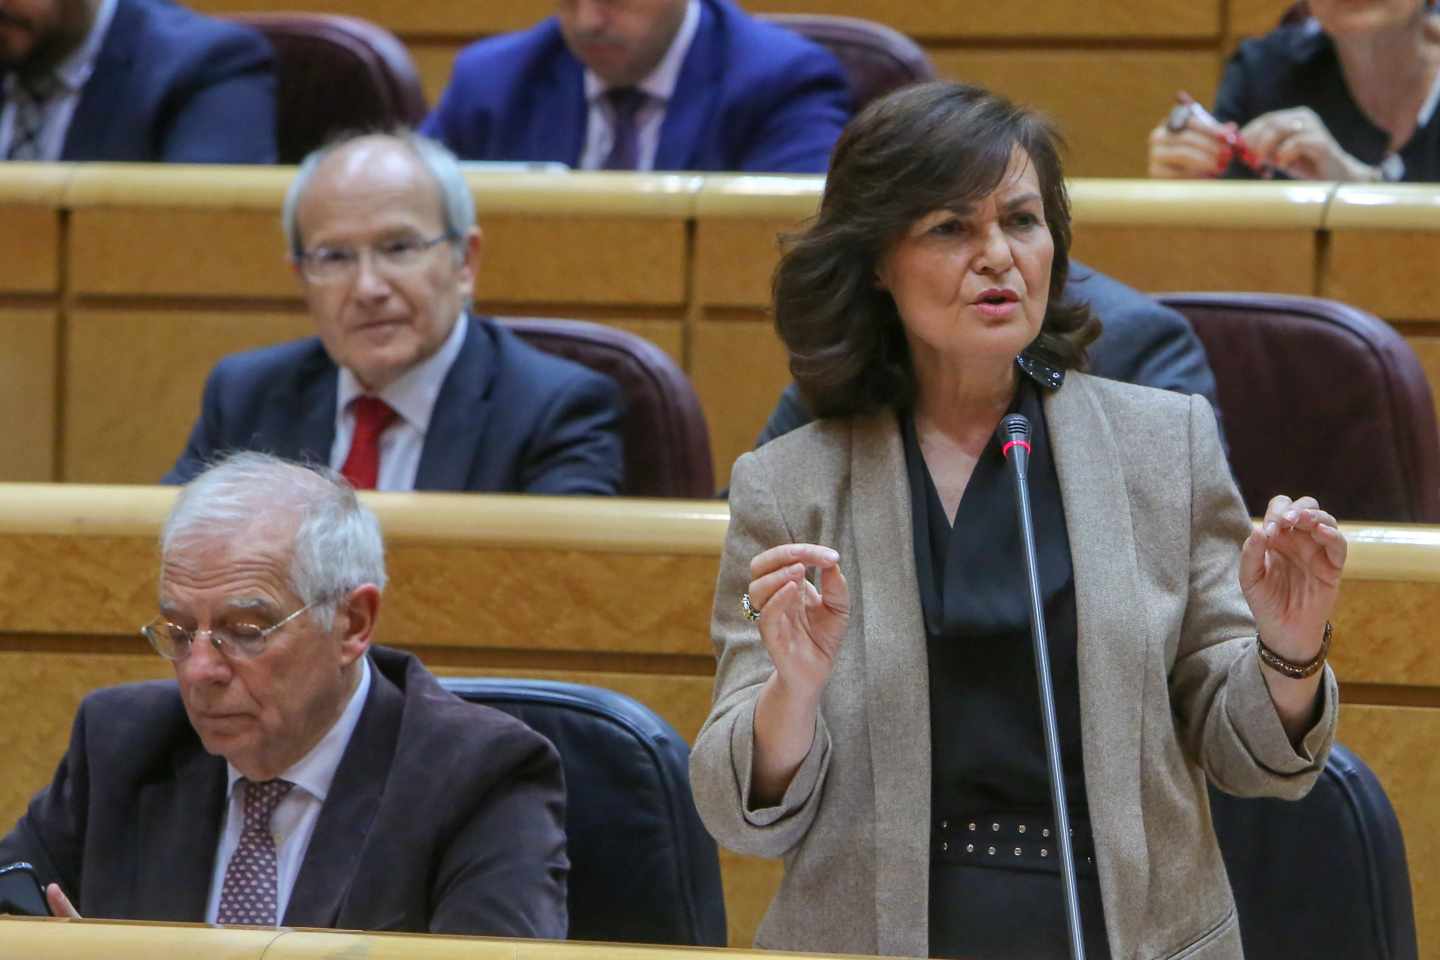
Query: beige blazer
x=1170 y=685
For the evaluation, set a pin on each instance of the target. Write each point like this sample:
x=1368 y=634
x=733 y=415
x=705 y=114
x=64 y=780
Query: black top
x=1296 y=66
x=987 y=745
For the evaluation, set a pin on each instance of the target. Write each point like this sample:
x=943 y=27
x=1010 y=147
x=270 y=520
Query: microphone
x=1014 y=437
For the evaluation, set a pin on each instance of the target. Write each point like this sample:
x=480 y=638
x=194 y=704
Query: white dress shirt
x=660 y=85
x=72 y=72
x=413 y=397
x=293 y=823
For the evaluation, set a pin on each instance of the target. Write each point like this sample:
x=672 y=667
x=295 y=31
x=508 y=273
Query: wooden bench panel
x=134 y=378
x=28 y=381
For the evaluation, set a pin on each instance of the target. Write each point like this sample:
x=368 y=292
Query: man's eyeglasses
x=391 y=257
x=240 y=640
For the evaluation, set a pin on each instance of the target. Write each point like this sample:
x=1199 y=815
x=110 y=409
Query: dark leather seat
x=667 y=445
x=1325 y=876
x=1320 y=398
x=876 y=58
x=335 y=74
x=642 y=867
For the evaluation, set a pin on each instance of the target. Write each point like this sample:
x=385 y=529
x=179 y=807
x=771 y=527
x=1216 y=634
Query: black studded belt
x=1009 y=840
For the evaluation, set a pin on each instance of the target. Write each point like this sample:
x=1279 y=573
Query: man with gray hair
x=294 y=772
x=403 y=388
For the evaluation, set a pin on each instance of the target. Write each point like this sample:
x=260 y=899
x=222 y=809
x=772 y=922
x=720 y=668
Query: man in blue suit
x=132 y=80
x=646 y=85
x=403 y=389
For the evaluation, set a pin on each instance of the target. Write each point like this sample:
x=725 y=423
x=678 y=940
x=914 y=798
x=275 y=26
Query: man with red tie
x=403 y=388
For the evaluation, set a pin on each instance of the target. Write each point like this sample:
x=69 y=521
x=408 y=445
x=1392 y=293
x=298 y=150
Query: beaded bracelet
x=1297 y=671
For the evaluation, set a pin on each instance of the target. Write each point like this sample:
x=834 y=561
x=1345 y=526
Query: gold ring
x=751 y=613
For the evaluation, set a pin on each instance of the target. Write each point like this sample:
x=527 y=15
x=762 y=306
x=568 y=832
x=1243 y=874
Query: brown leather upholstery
x=667 y=445
x=876 y=58
x=336 y=73
x=1320 y=398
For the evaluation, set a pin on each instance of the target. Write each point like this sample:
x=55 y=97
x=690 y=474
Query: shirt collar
x=315 y=771
x=413 y=393
x=660 y=83
x=1040 y=368
x=75 y=69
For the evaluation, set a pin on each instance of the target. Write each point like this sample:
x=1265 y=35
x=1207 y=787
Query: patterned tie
x=625 y=103
x=250 y=893
x=362 y=464
x=30 y=98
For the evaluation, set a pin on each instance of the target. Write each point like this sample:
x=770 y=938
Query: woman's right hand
x=802 y=629
x=800 y=626
x=1191 y=152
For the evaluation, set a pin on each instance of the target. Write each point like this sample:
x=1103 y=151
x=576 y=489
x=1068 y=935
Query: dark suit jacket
x=509 y=418
x=1143 y=342
x=173 y=85
x=444 y=816
x=750 y=96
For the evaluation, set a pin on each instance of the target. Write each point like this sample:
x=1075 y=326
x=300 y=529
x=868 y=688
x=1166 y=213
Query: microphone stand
x=1014 y=436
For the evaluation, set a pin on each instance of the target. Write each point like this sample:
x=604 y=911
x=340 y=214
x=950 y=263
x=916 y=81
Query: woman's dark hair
x=904 y=156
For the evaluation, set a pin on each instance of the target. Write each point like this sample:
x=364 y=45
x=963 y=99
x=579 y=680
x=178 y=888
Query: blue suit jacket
x=509 y=418
x=751 y=96
x=443 y=817
x=173 y=85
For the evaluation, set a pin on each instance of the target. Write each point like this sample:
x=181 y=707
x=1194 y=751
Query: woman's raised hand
x=801 y=627
x=1193 y=152
x=1290 y=574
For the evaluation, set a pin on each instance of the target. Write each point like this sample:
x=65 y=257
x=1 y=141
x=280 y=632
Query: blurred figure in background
x=132 y=81
x=1349 y=93
x=646 y=85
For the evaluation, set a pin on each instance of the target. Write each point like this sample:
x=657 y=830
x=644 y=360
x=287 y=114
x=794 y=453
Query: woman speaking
x=878 y=727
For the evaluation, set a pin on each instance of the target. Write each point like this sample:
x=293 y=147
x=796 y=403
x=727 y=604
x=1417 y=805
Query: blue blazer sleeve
x=577 y=447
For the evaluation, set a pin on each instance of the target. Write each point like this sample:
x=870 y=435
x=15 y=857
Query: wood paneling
x=1388 y=272
x=735 y=258
x=558 y=259
x=179 y=252
x=28 y=383
x=133 y=382
x=1104 y=101
x=739 y=368
x=29 y=248
x=1194 y=258
x=1427 y=349
x=1250 y=18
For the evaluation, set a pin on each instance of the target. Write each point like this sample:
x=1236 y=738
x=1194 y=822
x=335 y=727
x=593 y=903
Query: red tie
x=362 y=465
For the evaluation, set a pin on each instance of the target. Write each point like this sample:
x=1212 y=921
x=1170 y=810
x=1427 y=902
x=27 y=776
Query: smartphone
x=20 y=891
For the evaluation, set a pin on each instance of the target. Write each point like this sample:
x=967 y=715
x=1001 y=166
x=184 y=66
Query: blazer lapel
x=1110 y=616
x=103 y=99
x=897 y=687
x=688 y=115
x=176 y=837
x=558 y=131
x=333 y=857
x=461 y=415
x=299 y=423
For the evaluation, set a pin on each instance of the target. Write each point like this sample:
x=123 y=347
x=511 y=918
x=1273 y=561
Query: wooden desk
x=609 y=592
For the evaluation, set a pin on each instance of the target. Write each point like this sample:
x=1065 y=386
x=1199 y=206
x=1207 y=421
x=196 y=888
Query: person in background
x=1349 y=93
x=294 y=772
x=646 y=85
x=879 y=727
x=404 y=388
x=134 y=81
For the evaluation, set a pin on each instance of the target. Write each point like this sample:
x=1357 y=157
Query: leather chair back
x=643 y=869
x=667 y=445
x=876 y=58
x=335 y=74
x=1325 y=876
x=1321 y=398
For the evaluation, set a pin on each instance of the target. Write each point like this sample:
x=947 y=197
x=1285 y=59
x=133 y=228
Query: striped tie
x=30 y=98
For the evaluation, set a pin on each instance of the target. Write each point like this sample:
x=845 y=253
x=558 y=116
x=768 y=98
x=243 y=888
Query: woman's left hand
x=1290 y=574
x=1297 y=141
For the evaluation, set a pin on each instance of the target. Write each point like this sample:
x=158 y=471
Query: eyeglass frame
x=307 y=262
x=228 y=649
